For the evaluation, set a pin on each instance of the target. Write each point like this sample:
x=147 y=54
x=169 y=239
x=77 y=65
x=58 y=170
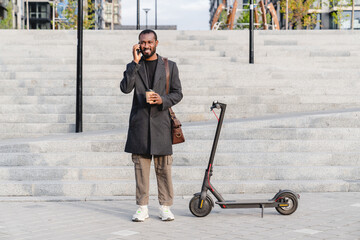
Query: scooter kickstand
x=262 y=210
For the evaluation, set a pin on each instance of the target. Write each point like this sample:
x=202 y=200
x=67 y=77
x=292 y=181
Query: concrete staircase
x=315 y=152
x=295 y=71
x=292 y=119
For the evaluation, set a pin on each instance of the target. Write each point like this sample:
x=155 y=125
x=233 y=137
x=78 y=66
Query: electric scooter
x=285 y=201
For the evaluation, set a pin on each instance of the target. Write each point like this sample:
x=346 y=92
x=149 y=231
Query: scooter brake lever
x=215 y=105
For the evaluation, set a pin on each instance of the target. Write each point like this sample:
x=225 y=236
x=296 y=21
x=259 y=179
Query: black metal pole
x=251 y=33
x=138 y=15
x=155 y=14
x=79 y=68
x=146 y=20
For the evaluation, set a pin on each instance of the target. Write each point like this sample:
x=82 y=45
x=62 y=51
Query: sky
x=186 y=14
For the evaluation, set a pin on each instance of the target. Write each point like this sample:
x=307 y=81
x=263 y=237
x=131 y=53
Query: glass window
x=335 y=3
x=317 y=4
x=357 y=20
x=318 y=21
x=39 y=10
x=346 y=20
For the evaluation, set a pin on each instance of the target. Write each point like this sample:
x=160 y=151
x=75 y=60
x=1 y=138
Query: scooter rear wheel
x=290 y=199
x=206 y=207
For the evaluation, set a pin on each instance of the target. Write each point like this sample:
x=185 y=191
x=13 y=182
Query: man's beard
x=146 y=56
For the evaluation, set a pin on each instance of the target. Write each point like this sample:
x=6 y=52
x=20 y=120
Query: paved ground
x=319 y=216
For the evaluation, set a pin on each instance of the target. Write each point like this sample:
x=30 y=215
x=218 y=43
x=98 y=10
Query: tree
x=70 y=15
x=299 y=14
x=7 y=23
x=243 y=18
x=338 y=16
x=222 y=20
x=242 y=21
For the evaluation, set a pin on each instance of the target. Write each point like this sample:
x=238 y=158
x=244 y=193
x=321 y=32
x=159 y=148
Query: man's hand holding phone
x=136 y=53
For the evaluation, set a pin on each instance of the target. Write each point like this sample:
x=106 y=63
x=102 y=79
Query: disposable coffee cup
x=148 y=94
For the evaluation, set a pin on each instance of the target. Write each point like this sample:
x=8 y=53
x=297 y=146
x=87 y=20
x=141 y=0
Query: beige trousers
x=163 y=175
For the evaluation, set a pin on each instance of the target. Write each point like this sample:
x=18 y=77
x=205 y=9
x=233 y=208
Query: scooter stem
x=222 y=106
x=208 y=173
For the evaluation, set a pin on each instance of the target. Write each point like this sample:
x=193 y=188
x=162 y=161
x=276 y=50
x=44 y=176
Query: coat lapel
x=160 y=69
x=142 y=74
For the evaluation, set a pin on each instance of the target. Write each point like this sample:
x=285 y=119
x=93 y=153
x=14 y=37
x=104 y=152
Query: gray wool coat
x=149 y=125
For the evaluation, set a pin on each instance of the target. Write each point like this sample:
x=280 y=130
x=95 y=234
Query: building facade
x=331 y=14
x=3 y=10
x=45 y=14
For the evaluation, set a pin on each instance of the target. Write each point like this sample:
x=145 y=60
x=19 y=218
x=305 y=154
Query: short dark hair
x=147 y=31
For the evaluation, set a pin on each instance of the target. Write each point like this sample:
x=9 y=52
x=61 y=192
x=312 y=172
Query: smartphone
x=138 y=51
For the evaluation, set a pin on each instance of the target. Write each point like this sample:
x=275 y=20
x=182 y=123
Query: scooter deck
x=248 y=203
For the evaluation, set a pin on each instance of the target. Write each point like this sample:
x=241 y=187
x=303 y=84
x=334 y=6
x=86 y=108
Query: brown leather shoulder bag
x=176 y=131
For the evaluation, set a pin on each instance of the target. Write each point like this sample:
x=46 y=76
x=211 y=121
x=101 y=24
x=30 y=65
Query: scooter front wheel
x=291 y=201
x=206 y=206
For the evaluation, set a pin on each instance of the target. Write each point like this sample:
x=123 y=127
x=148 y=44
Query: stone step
x=122 y=100
x=167 y=44
x=273 y=146
x=179 y=173
x=93 y=121
x=118 y=66
x=64 y=118
x=40 y=88
x=127 y=188
x=273 y=90
x=108 y=53
x=262 y=59
x=233 y=132
x=199 y=113
x=216 y=79
x=245 y=110
x=88 y=100
x=65 y=146
x=64 y=60
x=189 y=55
x=342 y=125
x=90 y=47
x=23 y=67
x=196 y=146
x=23 y=121
x=347 y=118
x=166 y=37
x=34 y=130
x=274 y=40
x=118 y=159
x=340 y=130
x=58 y=91
x=344 y=119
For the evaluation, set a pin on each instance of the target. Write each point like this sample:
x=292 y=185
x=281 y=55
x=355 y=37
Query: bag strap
x=167 y=71
x=172 y=114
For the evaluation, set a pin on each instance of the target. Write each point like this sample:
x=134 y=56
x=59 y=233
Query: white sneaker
x=141 y=214
x=165 y=213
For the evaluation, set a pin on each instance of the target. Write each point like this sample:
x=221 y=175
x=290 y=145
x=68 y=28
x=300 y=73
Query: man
x=149 y=134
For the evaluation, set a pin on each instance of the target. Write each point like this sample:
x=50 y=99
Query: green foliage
x=70 y=14
x=243 y=18
x=299 y=14
x=7 y=23
x=222 y=20
x=338 y=14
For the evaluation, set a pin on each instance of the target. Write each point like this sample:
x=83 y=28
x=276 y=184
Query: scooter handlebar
x=215 y=105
